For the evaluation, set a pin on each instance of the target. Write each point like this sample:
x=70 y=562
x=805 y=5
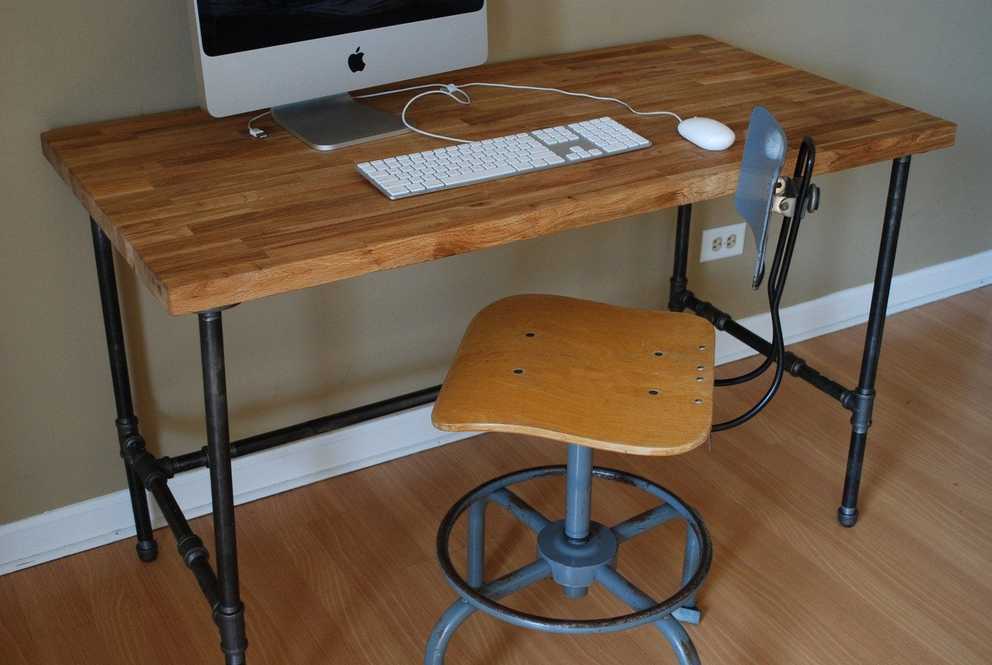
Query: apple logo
x=356 y=61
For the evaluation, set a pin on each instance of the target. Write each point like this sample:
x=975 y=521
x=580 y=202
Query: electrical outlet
x=722 y=242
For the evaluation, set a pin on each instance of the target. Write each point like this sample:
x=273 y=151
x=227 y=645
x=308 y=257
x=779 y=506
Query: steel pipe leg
x=456 y=614
x=127 y=424
x=680 y=279
x=864 y=395
x=690 y=613
x=477 y=544
x=673 y=631
x=444 y=630
x=229 y=613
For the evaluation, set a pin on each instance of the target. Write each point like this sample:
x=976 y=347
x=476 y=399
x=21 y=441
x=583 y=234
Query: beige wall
x=310 y=353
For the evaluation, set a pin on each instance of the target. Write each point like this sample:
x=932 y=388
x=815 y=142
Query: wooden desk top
x=208 y=217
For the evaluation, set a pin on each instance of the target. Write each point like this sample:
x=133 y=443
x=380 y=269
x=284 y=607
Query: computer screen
x=301 y=57
x=236 y=26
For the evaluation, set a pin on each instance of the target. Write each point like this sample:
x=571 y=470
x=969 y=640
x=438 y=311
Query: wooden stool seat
x=629 y=380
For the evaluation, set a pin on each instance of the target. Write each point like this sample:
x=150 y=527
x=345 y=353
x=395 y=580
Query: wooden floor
x=343 y=571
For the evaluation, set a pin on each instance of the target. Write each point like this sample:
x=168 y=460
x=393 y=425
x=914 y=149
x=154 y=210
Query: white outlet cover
x=715 y=242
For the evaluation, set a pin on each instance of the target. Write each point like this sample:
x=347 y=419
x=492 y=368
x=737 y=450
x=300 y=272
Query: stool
x=593 y=376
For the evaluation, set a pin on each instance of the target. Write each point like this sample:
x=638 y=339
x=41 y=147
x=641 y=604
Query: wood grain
x=343 y=571
x=209 y=218
x=629 y=380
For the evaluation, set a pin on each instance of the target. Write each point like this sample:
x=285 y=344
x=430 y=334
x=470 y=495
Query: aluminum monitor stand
x=328 y=123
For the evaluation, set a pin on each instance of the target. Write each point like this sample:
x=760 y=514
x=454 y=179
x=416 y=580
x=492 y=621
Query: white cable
x=465 y=100
x=575 y=94
x=453 y=91
x=255 y=132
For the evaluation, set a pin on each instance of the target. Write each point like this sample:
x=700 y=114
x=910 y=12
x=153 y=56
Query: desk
x=208 y=219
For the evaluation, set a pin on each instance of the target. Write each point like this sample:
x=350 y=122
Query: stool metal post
x=864 y=394
x=578 y=492
x=578 y=499
x=128 y=435
x=229 y=613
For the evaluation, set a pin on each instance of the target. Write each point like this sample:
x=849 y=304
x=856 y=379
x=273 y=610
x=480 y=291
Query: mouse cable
x=458 y=93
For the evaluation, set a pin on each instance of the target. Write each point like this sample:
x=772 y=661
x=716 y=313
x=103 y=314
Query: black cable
x=772 y=281
x=777 y=354
x=776 y=286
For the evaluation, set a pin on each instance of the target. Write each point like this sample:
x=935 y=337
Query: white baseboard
x=106 y=519
x=849 y=307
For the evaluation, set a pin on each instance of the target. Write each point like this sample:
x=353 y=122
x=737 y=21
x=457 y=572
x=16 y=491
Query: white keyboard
x=470 y=163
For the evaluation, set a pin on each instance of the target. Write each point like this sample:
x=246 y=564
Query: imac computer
x=301 y=57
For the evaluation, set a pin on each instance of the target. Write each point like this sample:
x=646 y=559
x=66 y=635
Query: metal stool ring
x=575 y=626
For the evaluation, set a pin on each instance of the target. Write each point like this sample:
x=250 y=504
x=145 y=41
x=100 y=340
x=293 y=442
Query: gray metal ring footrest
x=573 y=563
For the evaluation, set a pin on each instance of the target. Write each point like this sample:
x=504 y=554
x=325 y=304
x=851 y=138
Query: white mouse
x=707 y=133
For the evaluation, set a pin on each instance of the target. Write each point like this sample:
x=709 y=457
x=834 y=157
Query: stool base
x=574 y=563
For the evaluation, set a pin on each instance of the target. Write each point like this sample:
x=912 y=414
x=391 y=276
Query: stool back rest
x=760 y=190
x=764 y=157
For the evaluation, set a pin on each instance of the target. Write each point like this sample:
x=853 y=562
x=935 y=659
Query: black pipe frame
x=146 y=472
x=310 y=428
x=128 y=436
x=860 y=400
x=221 y=589
x=229 y=612
x=794 y=365
x=864 y=394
